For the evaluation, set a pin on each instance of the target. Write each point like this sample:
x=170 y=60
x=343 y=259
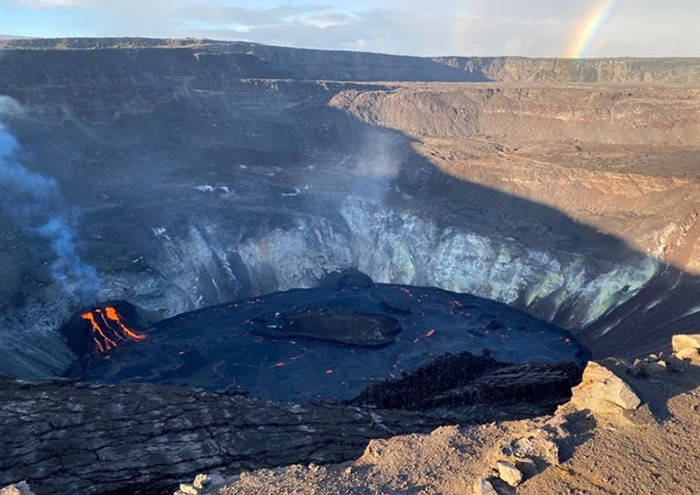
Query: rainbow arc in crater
x=589 y=27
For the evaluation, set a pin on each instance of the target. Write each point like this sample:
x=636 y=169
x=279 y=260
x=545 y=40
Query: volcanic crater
x=311 y=246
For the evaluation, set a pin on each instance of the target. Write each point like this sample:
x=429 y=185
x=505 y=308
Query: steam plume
x=34 y=203
x=377 y=165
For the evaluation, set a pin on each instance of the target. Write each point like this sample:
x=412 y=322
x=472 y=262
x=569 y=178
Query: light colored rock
x=201 y=481
x=689 y=354
x=602 y=391
x=509 y=473
x=21 y=488
x=482 y=486
x=557 y=426
x=538 y=443
x=550 y=451
x=187 y=489
x=685 y=341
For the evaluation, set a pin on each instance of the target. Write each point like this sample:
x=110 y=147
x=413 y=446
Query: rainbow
x=592 y=23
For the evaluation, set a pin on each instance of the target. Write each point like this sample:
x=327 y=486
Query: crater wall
x=194 y=181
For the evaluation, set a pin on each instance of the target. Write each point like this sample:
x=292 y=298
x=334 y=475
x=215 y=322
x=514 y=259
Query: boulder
x=685 y=341
x=509 y=473
x=21 y=488
x=689 y=354
x=201 y=481
x=527 y=466
x=187 y=489
x=686 y=347
x=602 y=391
x=482 y=486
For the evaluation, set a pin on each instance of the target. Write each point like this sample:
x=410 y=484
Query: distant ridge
x=313 y=64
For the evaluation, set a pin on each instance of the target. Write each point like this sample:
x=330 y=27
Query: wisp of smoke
x=34 y=203
x=377 y=165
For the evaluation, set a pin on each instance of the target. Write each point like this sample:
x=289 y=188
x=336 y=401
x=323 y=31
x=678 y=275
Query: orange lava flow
x=114 y=316
x=106 y=331
x=106 y=343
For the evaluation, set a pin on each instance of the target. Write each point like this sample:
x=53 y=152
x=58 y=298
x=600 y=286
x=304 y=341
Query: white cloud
x=325 y=20
x=47 y=4
x=438 y=27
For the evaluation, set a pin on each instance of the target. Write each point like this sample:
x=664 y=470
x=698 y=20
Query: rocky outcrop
x=67 y=437
x=71 y=437
x=519 y=69
x=602 y=391
x=462 y=380
x=610 y=115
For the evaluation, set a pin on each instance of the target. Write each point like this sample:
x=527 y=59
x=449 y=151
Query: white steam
x=377 y=165
x=34 y=203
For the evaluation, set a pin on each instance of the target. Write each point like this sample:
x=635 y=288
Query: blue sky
x=434 y=27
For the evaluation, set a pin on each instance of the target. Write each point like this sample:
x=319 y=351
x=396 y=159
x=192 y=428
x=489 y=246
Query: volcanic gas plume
x=34 y=203
x=108 y=328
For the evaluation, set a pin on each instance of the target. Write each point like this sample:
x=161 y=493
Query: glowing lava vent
x=101 y=329
x=108 y=330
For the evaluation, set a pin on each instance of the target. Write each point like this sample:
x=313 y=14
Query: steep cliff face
x=606 y=70
x=623 y=160
x=194 y=180
x=527 y=115
x=310 y=64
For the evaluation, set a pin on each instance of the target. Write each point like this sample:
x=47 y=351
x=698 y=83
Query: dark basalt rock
x=357 y=329
x=464 y=379
x=309 y=375
x=327 y=343
x=68 y=437
x=346 y=279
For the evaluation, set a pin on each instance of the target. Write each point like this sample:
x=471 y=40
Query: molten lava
x=108 y=329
